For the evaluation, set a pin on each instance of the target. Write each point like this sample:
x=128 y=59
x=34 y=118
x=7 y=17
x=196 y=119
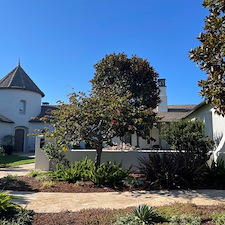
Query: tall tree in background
x=137 y=80
x=210 y=55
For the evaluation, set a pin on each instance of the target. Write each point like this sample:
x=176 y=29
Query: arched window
x=22 y=106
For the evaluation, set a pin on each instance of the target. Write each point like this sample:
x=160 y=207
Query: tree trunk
x=98 y=156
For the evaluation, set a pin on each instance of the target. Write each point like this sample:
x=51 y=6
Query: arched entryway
x=19 y=143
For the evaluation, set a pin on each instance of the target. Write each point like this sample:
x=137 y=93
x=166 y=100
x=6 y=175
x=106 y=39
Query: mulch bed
x=25 y=183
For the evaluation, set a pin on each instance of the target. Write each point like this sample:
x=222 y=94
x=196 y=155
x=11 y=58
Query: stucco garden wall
x=126 y=157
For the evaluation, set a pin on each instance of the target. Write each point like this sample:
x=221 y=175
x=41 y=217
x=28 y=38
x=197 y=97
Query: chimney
x=45 y=103
x=162 y=107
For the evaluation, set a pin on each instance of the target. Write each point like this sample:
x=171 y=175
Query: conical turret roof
x=18 y=79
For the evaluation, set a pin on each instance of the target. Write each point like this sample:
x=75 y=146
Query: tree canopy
x=210 y=55
x=137 y=80
x=133 y=77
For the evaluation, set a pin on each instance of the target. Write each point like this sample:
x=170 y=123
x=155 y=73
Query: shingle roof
x=45 y=111
x=5 y=120
x=18 y=79
x=175 y=112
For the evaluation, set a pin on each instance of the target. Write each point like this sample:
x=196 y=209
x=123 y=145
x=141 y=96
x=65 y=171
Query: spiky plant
x=145 y=213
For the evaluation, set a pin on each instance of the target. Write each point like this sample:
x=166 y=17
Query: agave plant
x=145 y=213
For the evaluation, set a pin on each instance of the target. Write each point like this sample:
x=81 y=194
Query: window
x=22 y=107
x=161 y=82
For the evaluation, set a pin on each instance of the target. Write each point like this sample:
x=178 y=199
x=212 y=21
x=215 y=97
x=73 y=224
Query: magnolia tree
x=210 y=55
x=122 y=99
x=137 y=80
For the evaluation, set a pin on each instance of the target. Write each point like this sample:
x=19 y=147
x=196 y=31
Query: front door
x=19 y=140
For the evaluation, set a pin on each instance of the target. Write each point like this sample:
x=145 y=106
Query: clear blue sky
x=59 y=41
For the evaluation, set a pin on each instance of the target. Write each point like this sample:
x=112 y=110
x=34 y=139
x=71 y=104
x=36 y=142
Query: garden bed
x=208 y=214
x=25 y=183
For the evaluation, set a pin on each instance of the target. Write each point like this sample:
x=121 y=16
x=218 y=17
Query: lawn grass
x=14 y=160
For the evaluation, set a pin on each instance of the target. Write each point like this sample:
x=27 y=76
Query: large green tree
x=137 y=80
x=210 y=55
x=123 y=96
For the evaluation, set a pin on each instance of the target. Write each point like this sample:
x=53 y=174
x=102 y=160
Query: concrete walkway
x=56 y=202
x=16 y=170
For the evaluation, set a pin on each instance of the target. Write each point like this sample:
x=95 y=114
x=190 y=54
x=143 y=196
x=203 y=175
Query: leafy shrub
x=73 y=172
x=133 y=182
x=20 y=217
x=11 y=213
x=188 y=136
x=171 y=169
x=34 y=173
x=7 y=144
x=108 y=173
x=185 y=220
x=6 y=203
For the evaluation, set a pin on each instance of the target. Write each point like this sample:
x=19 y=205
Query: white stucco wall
x=205 y=114
x=10 y=101
x=9 y=107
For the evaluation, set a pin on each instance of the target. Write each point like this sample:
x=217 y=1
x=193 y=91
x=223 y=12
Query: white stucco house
x=21 y=109
x=214 y=126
